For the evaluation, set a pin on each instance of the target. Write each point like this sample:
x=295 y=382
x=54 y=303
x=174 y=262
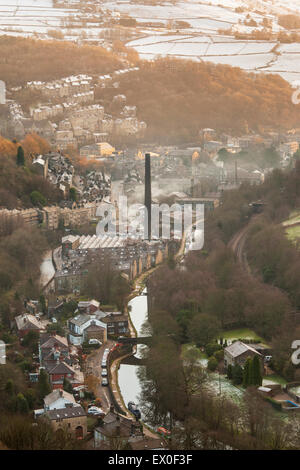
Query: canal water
x=129 y=383
x=47 y=269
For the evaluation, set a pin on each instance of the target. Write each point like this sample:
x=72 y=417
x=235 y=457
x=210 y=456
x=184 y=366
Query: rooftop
x=238 y=347
x=56 y=394
x=66 y=413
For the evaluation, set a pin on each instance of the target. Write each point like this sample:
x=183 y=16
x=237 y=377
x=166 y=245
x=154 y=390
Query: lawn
x=293 y=219
x=273 y=379
x=293 y=233
x=241 y=333
x=220 y=383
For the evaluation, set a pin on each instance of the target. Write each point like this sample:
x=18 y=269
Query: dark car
x=134 y=410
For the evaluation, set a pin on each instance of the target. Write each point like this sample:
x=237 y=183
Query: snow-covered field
x=205 y=42
x=34 y=15
x=201 y=41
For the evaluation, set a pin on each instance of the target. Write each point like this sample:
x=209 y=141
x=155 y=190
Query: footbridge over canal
x=133 y=340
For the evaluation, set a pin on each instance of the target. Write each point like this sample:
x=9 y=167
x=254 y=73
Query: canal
x=47 y=269
x=129 y=383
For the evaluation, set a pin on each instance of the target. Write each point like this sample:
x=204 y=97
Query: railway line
x=237 y=244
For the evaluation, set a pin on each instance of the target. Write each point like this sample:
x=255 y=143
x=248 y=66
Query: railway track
x=237 y=245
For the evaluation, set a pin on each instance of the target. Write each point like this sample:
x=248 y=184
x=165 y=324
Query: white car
x=104 y=382
x=95 y=341
x=94 y=410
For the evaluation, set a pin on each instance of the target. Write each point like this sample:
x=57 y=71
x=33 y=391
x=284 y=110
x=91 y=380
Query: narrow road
x=93 y=367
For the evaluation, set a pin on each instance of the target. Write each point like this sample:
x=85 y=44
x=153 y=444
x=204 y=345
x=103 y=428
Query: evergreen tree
x=237 y=374
x=30 y=396
x=20 y=156
x=73 y=194
x=212 y=363
x=22 y=405
x=229 y=371
x=67 y=386
x=37 y=198
x=256 y=371
x=246 y=373
x=10 y=387
x=43 y=385
x=43 y=303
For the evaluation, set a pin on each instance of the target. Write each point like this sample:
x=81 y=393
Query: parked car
x=104 y=382
x=94 y=410
x=104 y=373
x=95 y=341
x=134 y=409
x=268 y=358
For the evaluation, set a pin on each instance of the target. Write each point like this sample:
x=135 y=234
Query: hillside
x=23 y=60
x=18 y=182
x=177 y=98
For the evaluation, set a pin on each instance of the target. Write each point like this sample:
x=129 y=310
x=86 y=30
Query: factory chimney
x=235 y=173
x=148 y=197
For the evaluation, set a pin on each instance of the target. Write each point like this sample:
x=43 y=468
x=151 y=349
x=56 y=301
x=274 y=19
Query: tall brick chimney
x=148 y=197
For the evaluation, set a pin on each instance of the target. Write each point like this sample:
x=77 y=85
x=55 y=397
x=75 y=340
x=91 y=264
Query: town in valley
x=145 y=334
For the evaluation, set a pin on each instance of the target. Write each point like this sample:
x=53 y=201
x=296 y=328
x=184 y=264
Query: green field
x=241 y=333
x=293 y=233
x=273 y=379
x=294 y=218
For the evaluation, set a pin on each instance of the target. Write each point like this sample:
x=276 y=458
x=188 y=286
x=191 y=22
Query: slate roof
x=56 y=394
x=95 y=328
x=82 y=318
x=238 y=347
x=114 y=424
x=54 y=341
x=85 y=304
x=62 y=368
x=66 y=413
x=115 y=318
x=28 y=322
